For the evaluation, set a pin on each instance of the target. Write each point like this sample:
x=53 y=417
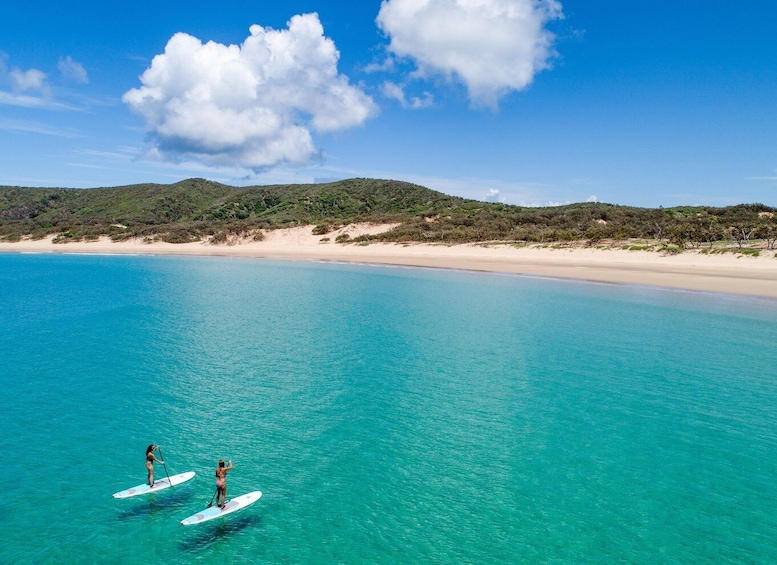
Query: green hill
x=197 y=209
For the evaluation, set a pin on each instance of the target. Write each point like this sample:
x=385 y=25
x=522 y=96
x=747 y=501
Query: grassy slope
x=197 y=208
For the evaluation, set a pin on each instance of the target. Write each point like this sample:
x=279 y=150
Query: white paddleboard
x=160 y=484
x=232 y=506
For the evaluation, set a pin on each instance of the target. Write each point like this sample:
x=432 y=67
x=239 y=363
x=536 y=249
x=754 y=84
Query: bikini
x=150 y=464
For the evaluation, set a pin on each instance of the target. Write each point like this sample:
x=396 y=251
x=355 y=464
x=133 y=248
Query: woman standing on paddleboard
x=221 y=483
x=150 y=459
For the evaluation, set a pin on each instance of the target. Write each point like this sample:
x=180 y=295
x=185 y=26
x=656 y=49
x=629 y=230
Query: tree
x=767 y=230
x=741 y=233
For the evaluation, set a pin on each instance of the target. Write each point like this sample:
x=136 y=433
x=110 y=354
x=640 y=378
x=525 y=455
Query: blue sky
x=531 y=102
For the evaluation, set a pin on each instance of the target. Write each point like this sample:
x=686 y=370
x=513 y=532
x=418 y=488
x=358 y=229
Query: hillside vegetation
x=197 y=209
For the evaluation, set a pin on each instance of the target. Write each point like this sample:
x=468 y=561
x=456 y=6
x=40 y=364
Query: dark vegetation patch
x=201 y=210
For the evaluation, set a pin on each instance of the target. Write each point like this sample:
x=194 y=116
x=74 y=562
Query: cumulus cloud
x=493 y=195
x=73 y=71
x=255 y=105
x=492 y=46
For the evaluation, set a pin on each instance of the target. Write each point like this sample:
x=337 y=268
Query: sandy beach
x=691 y=270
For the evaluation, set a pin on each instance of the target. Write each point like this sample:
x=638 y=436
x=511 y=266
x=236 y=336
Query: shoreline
x=726 y=273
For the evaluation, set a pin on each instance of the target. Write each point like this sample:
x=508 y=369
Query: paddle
x=164 y=464
x=212 y=497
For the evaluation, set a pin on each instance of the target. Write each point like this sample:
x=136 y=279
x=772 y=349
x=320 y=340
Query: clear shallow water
x=388 y=415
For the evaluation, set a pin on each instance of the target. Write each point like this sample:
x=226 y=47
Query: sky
x=527 y=102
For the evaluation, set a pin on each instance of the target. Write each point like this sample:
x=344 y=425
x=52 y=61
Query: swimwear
x=220 y=483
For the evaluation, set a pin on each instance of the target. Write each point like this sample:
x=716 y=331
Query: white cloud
x=394 y=91
x=493 y=195
x=31 y=89
x=73 y=71
x=19 y=126
x=397 y=92
x=592 y=198
x=42 y=102
x=254 y=105
x=763 y=178
x=32 y=79
x=492 y=46
x=387 y=65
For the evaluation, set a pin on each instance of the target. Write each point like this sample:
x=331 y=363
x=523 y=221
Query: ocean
x=388 y=415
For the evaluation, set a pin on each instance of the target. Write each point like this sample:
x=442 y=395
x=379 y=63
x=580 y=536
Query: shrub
x=218 y=238
x=637 y=247
x=180 y=234
x=67 y=237
x=673 y=249
x=322 y=229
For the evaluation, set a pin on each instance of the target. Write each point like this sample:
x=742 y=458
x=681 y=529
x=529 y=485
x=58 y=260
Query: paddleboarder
x=221 y=483
x=150 y=460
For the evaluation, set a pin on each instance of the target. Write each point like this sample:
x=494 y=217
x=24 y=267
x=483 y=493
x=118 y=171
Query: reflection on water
x=156 y=504
x=224 y=528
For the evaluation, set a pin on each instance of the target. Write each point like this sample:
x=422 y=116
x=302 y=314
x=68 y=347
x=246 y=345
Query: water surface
x=389 y=415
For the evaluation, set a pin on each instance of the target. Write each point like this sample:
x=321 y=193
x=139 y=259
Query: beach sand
x=723 y=272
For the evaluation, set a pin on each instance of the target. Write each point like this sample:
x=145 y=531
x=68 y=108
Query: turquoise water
x=388 y=415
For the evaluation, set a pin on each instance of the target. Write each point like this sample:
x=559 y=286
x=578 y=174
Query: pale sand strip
x=726 y=273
